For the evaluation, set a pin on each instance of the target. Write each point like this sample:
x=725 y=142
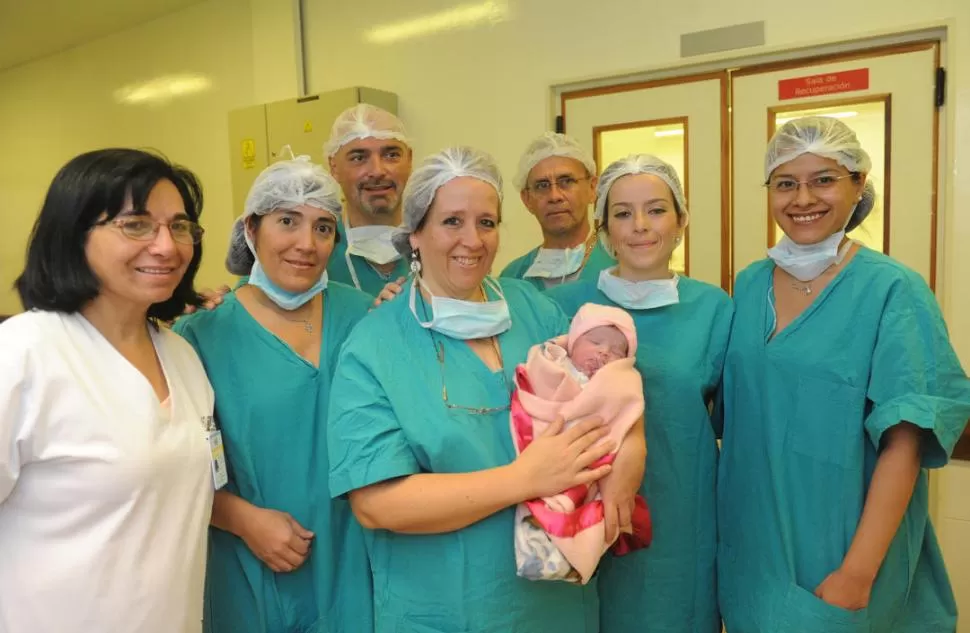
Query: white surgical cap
x=820 y=135
x=633 y=165
x=364 y=121
x=829 y=138
x=548 y=145
x=433 y=173
x=286 y=184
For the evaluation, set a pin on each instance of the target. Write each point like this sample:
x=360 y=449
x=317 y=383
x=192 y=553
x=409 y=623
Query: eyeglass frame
x=808 y=183
x=571 y=182
x=440 y=355
x=119 y=222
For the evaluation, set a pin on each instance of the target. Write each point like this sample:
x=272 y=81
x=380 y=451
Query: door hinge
x=560 y=125
x=940 y=86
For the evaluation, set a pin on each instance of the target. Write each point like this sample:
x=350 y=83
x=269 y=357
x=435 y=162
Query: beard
x=382 y=204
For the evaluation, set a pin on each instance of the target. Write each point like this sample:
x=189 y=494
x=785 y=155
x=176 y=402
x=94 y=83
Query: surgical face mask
x=639 y=295
x=373 y=243
x=282 y=298
x=557 y=262
x=464 y=320
x=806 y=262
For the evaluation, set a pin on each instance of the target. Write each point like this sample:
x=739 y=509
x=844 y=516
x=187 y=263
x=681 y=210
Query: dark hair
x=56 y=275
x=865 y=205
x=240 y=260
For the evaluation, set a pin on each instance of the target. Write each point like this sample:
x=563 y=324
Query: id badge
x=220 y=477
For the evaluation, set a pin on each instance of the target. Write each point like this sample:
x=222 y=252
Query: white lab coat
x=105 y=495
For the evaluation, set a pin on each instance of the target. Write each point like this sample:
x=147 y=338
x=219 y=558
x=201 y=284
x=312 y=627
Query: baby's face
x=597 y=347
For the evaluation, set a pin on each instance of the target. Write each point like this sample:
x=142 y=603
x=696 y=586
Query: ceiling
x=30 y=29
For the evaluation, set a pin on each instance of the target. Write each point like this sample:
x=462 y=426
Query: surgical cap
x=820 y=135
x=630 y=166
x=548 y=145
x=286 y=184
x=829 y=138
x=364 y=121
x=434 y=172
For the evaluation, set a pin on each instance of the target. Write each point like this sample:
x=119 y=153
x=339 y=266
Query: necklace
x=307 y=323
x=590 y=243
x=804 y=288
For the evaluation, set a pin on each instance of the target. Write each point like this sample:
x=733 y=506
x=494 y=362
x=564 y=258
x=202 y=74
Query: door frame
x=723 y=76
x=727 y=69
x=868 y=53
x=685 y=177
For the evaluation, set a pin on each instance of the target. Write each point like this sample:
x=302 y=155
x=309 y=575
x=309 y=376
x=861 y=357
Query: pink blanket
x=544 y=391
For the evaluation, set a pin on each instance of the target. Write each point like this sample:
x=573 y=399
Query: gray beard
x=382 y=210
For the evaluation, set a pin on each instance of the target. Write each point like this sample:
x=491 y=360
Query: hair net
x=638 y=164
x=819 y=135
x=548 y=145
x=364 y=121
x=433 y=173
x=286 y=184
x=829 y=138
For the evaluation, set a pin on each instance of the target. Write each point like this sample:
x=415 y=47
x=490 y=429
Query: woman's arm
x=620 y=489
x=432 y=503
x=274 y=537
x=889 y=495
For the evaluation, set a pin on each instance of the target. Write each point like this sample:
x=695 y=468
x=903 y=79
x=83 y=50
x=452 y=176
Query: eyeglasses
x=144 y=229
x=444 y=388
x=818 y=183
x=565 y=184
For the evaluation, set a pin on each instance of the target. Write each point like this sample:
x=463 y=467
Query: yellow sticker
x=308 y=127
x=248 y=153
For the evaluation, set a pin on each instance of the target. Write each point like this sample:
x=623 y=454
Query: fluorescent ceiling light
x=834 y=115
x=663 y=133
x=462 y=16
x=162 y=89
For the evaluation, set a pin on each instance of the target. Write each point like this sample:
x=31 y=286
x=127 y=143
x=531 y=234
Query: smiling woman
x=682 y=329
x=419 y=438
x=282 y=556
x=103 y=415
x=98 y=237
x=840 y=376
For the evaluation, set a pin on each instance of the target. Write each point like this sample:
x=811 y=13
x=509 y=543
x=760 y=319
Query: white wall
x=57 y=107
x=490 y=87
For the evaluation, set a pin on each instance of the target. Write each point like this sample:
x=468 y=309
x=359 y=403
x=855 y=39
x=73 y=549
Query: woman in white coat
x=105 y=484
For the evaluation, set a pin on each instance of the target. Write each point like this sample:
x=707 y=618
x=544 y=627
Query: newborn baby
x=589 y=372
x=589 y=351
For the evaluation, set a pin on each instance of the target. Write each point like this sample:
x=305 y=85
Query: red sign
x=827 y=84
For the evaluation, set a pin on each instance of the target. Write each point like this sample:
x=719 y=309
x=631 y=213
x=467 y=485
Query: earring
x=678 y=239
x=415 y=263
